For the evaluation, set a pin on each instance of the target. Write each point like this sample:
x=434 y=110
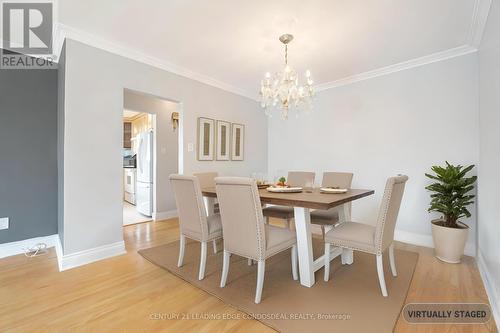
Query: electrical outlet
x=190 y=147
x=4 y=223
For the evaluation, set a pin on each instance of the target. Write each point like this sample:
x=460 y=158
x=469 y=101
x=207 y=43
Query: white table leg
x=347 y=256
x=304 y=246
x=209 y=205
x=344 y=213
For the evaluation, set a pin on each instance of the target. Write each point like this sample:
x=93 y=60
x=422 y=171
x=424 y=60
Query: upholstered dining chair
x=295 y=178
x=207 y=179
x=371 y=239
x=193 y=220
x=330 y=217
x=245 y=233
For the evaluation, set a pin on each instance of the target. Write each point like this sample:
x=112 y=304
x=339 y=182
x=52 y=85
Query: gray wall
x=93 y=130
x=489 y=163
x=28 y=153
x=403 y=122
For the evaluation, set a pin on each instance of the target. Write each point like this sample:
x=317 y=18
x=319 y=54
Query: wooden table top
x=314 y=200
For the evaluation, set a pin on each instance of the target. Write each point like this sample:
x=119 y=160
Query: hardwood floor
x=129 y=294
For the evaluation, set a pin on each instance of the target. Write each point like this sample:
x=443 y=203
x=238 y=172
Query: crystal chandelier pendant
x=282 y=90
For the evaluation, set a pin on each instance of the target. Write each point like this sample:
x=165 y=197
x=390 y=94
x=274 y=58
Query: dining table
x=302 y=203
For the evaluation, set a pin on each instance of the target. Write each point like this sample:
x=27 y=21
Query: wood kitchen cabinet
x=127 y=135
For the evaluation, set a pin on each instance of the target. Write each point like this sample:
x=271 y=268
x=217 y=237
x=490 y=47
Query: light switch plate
x=4 y=223
x=190 y=147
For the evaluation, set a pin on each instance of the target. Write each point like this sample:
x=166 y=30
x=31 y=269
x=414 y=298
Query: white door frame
x=180 y=140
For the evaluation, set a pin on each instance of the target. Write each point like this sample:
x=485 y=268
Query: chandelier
x=282 y=90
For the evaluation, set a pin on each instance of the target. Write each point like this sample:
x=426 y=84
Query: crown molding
x=63 y=31
x=479 y=18
x=425 y=60
x=476 y=31
x=478 y=23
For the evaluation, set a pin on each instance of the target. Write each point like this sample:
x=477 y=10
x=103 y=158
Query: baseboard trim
x=67 y=261
x=59 y=252
x=426 y=241
x=72 y=260
x=158 y=216
x=489 y=285
x=18 y=247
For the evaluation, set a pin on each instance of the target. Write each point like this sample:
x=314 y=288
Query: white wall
x=166 y=148
x=95 y=81
x=489 y=165
x=403 y=122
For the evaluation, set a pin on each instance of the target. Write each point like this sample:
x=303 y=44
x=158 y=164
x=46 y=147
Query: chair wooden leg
x=295 y=274
x=182 y=249
x=381 y=279
x=261 y=267
x=391 y=260
x=203 y=260
x=327 y=262
x=323 y=231
x=225 y=268
x=214 y=243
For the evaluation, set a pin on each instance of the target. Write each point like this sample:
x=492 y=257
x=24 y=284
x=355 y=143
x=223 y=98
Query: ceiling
x=235 y=42
x=130 y=114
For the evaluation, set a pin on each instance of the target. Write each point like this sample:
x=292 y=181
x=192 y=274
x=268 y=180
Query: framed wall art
x=223 y=140
x=237 y=141
x=206 y=138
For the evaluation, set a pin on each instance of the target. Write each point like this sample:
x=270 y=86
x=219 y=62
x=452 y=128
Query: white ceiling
x=236 y=42
x=130 y=114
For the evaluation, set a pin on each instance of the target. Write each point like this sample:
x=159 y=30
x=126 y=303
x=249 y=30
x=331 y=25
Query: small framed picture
x=206 y=134
x=237 y=141
x=223 y=140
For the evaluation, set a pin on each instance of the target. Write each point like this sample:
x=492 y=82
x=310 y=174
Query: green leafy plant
x=450 y=193
x=281 y=181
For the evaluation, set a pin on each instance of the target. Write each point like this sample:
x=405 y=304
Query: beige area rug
x=350 y=302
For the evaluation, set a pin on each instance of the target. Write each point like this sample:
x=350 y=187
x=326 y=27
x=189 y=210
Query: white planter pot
x=449 y=243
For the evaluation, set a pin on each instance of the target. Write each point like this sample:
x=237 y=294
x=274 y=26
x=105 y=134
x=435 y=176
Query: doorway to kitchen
x=150 y=155
x=137 y=167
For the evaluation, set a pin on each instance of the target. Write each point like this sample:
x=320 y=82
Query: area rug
x=350 y=302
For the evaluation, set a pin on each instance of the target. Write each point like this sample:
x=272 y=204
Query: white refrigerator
x=144 y=188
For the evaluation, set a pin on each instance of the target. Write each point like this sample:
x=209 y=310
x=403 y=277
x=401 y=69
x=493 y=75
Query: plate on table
x=284 y=189
x=332 y=190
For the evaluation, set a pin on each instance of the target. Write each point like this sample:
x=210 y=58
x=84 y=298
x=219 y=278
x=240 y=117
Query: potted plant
x=281 y=182
x=450 y=197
